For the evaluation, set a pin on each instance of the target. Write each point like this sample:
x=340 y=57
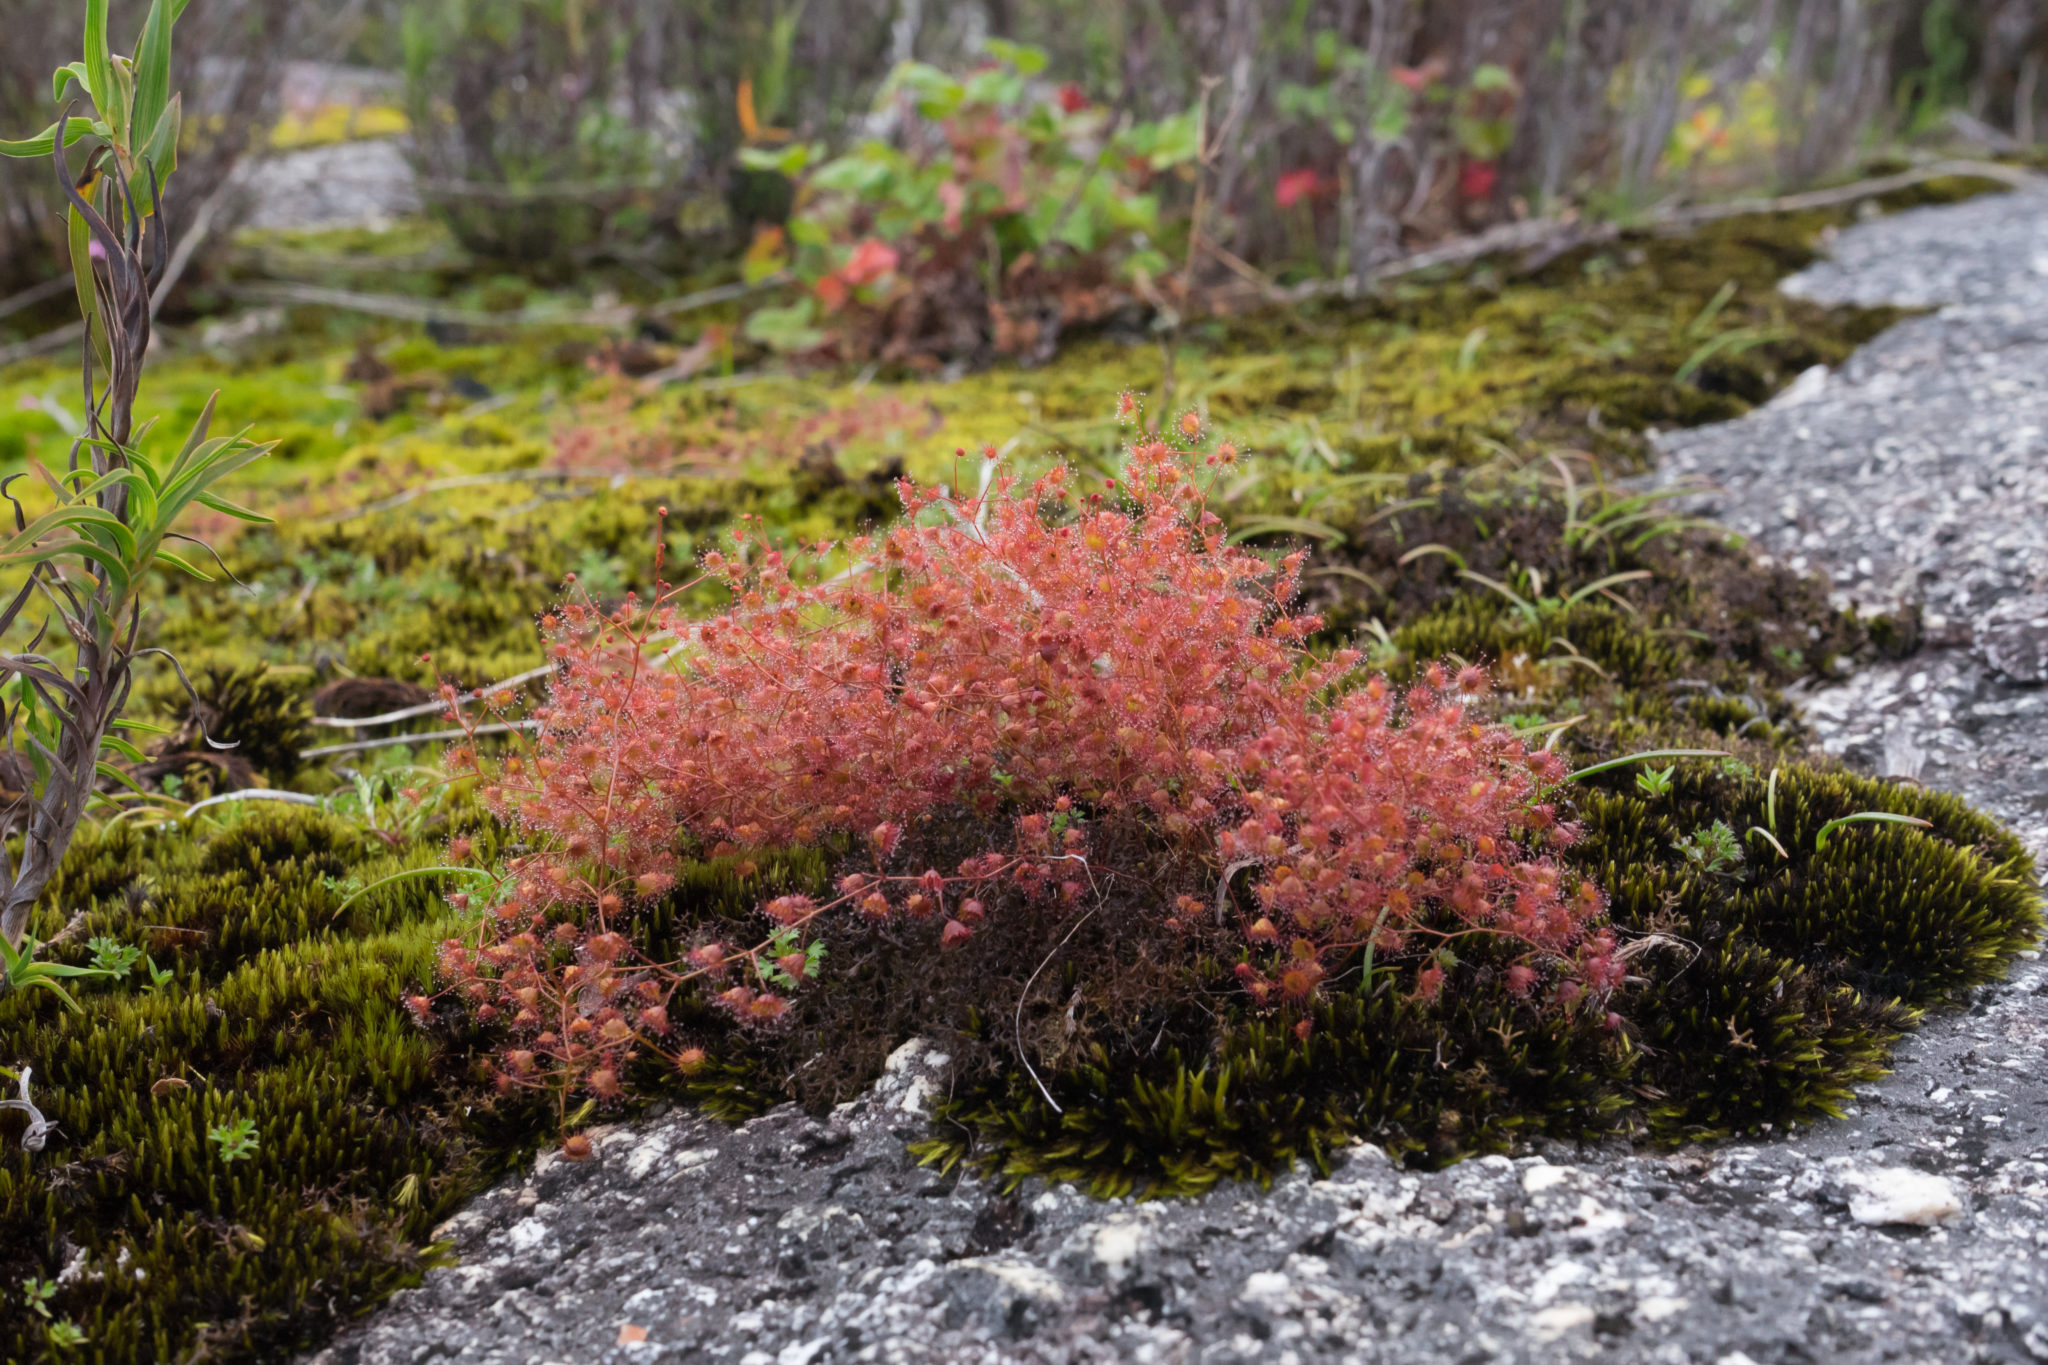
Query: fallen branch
x=255 y=794
x=428 y=708
x=404 y=309
x=2017 y=177
x=1540 y=234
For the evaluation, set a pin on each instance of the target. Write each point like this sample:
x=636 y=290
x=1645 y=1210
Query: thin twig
x=1542 y=232
x=1025 y=994
x=255 y=794
x=429 y=736
x=405 y=309
x=428 y=708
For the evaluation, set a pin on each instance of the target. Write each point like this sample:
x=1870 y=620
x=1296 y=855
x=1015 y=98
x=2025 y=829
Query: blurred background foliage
x=1320 y=136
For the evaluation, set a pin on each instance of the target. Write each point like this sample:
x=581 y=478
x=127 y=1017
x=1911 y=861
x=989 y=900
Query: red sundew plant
x=1040 y=653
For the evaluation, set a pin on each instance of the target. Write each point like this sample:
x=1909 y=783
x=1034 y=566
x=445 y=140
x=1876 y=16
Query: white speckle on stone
x=1022 y=1279
x=802 y=1352
x=1269 y=1286
x=1811 y=384
x=1552 y=1282
x=695 y=1157
x=1896 y=1194
x=1540 y=1178
x=526 y=1234
x=642 y=1156
x=1552 y=1323
x=1658 y=1307
x=1116 y=1244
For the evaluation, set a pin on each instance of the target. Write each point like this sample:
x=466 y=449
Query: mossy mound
x=424 y=543
x=1761 y=993
x=274 y=1009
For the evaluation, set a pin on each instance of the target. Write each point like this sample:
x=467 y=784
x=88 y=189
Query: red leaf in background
x=1416 y=78
x=1072 y=100
x=1295 y=186
x=870 y=261
x=1476 y=179
x=831 y=292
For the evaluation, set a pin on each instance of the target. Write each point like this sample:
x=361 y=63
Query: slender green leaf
x=1820 y=840
x=160 y=153
x=1433 y=549
x=1521 y=603
x=124 y=748
x=64 y=77
x=118 y=573
x=99 y=65
x=1291 y=526
x=1645 y=756
x=73 y=515
x=183 y=565
x=124 y=127
x=120 y=775
x=1769 y=838
x=1597 y=584
x=235 y=510
x=153 y=70
x=79 y=241
x=198 y=436
x=45 y=142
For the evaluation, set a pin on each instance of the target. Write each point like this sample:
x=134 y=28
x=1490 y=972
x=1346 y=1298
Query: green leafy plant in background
x=235 y=1141
x=1002 y=212
x=87 y=557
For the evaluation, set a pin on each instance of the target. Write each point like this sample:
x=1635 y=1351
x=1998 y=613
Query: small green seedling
x=112 y=956
x=1820 y=840
x=1714 y=850
x=1655 y=782
x=66 y=1334
x=37 y=1294
x=235 y=1141
x=781 y=945
x=159 y=977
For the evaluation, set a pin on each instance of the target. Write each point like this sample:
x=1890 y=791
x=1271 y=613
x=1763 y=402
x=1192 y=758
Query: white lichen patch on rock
x=1894 y=1194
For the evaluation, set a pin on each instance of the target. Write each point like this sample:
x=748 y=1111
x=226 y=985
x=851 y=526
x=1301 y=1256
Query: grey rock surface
x=1915 y=1229
x=1917 y=476
x=366 y=183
